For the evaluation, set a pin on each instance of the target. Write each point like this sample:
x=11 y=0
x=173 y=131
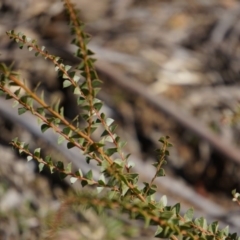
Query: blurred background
x=168 y=68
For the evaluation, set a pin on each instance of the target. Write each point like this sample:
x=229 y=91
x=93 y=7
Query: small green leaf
x=62 y=111
x=104 y=166
x=102 y=180
x=15 y=140
x=60 y=139
x=167 y=215
x=96 y=83
x=163 y=201
x=60 y=165
x=56 y=106
x=162 y=140
x=161 y=172
x=89 y=52
x=108 y=138
x=225 y=231
x=109 y=121
x=86 y=107
x=20 y=45
x=8 y=96
x=48 y=160
x=189 y=215
x=70 y=145
x=21 y=110
x=133 y=177
x=119 y=162
x=125 y=188
x=89 y=175
x=56 y=121
x=37 y=152
x=79 y=173
x=29 y=158
x=44 y=128
x=15 y=103
x=93 y=147
x=40 y=166
x=111 y=151
x=66 y=130
x=151 y=190
x=105 y=133
x=85 y=116
x=121 y=144
x=158 y=232
x=146 y=221
x=69 y=168
x=93 y=74
x=151 y=205
x=201 y=222
x=73 y=180
x=176 y=208
x=20 y=151
x=113 y=127
x=234 y=191
x=111 y=195
x=66 y=83
x=62 y=175
x=77 y=91
x=52 y=169
x=24 y=99
x=26 y=147
x=81 y=100
x=130 y=164
x=81 y=141
x=17 y=92
x=65 y=76
x=102 y=116
x=67 y=67
x=56 y=59
x=84 y=183
x=76 y=78
x=40 y=111
x=99 y=189
x=98 y=106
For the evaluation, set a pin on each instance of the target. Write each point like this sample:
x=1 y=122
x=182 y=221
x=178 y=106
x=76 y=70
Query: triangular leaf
x=163 y=201
x=37 y=152
x=44 y=128
x=15 y=103
x=188 y=216
x=40 y=166
x=69 y=168
x=70 y=145
x=73 y=180
x=161 y=172
x=60 y=139
x=111 y=151
x=66 y=83
x=21 y=110
x=89 y=175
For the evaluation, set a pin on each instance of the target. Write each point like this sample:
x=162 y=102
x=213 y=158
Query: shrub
x=117 y=186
